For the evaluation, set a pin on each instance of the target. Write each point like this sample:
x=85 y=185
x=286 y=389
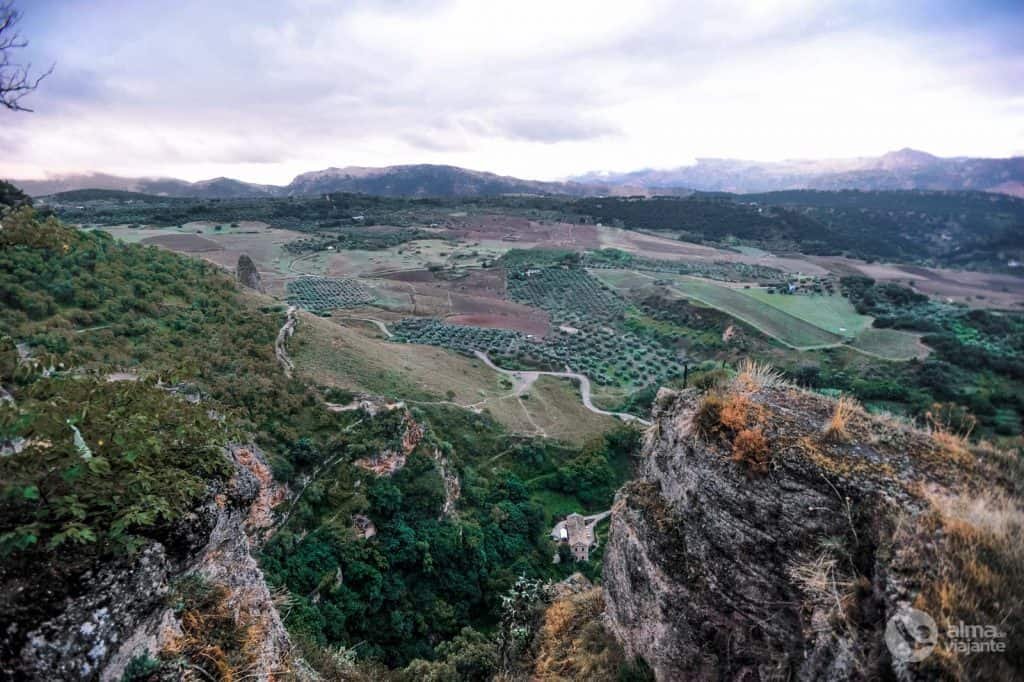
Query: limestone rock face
x=723 y=565
x=118 y=611
x=248 y=275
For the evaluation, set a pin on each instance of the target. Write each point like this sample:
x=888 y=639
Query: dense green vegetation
x=95 y=466
x=425 y=576
x=978 y=359
x=955 y=229
x=330 y=213
x=82 y=300
x=367 y=239
x=720 y=270
x=709 y=218
x=962 y=229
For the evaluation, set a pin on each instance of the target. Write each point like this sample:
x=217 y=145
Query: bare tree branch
x=16 y=79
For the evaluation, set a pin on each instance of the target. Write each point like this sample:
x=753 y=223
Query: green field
x=890 y=344
x=831 y=312
x=774 y=322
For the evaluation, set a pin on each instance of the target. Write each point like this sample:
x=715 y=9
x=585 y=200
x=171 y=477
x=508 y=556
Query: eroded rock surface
x=727 y=563
x=248 y=275
x=119 y=611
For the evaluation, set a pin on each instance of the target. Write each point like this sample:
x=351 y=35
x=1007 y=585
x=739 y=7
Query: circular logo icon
x=911 y=635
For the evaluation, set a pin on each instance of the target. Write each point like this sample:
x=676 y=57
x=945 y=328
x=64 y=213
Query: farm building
x=577 y=531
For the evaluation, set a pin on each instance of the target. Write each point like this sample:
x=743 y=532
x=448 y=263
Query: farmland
x=320 y=294
x=833 y=313
x=538 y=285
x=774 y=322
x=890 y=344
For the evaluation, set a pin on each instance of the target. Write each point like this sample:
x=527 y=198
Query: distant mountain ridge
x=898 y=170
x=425 y=180
x=421 y=180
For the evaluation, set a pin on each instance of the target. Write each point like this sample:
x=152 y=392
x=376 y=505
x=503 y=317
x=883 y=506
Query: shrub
x=105 y=466
x=707 y=420
x=754 y=375
x=835 y=429
x=140 y=668
x=709 y=379
x=750 y=447
x=736 y=412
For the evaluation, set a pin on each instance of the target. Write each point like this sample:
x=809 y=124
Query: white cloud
x=262 y=91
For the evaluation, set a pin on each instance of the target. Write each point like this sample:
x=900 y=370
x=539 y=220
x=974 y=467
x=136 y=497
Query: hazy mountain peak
x=906 y=158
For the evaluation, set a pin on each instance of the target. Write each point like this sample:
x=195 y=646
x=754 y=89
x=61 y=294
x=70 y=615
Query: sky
x=262 y=90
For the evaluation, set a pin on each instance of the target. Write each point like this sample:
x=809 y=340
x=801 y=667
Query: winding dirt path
x=524 y=379
x=377 y=323
x=285 y=333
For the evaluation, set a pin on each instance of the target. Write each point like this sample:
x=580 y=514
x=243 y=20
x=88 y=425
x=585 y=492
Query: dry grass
x=828 y=593
x=753 y=375
x=837 y=428
x=213 y=644
x=951 y=428
x=735 y=418
x=707 y=419
x=573 y=642
x=725 y=414
x=737 y=412
x=951 y=445
x=976 y=576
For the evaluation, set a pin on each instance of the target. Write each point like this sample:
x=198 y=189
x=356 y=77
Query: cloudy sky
x=264 y=89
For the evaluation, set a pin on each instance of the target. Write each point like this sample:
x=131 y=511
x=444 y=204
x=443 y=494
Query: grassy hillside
x=355 y=357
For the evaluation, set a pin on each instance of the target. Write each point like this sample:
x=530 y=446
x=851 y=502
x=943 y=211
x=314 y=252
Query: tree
x=16 y=79
x=13 y=197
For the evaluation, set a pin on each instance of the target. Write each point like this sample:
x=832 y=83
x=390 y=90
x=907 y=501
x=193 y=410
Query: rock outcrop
x=248 y=275
x=388 y=461
x=773 y=534
x=120 y=611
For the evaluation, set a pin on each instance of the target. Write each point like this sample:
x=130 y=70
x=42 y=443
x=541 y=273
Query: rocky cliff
x=175 y=605
x=248 y=275
x=776 y=534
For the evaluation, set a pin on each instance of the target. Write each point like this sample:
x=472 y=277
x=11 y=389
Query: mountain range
x=900 y=170
x=422 y=180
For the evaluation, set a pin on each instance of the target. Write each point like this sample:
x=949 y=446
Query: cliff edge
x=774 y=533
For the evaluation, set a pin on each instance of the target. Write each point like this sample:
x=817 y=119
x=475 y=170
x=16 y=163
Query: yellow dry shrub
x=736 y=412
x=573 y=642
x=750 y=447
x=753 y=375
x=837 y=427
